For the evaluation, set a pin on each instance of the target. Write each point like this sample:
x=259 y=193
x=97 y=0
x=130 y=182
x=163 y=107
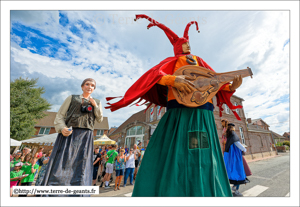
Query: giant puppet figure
x=183 y=157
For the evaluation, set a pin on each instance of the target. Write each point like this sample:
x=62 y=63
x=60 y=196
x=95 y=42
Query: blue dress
x=234 y=165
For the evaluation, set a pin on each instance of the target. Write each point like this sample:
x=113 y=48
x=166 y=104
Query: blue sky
x=62 y=48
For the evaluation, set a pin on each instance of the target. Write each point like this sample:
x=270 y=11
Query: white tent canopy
x=104 y=140
x=14 y=143
x=47 y=139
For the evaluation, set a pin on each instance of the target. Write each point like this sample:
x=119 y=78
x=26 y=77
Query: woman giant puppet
x=183 y=157
x=71 y=160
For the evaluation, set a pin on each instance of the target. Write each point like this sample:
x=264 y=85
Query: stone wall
x=260 y=142
x=281 y=148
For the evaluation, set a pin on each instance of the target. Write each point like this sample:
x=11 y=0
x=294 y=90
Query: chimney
x=249 y=120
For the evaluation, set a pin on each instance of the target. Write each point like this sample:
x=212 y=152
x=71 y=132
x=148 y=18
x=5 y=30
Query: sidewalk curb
x=263 y=158
x=278 y=155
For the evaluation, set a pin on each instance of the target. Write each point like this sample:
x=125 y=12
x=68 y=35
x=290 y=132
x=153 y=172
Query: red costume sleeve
x=146 y=88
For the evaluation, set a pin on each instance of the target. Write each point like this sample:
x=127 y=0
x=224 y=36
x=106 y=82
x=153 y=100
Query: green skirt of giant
x=183 y=158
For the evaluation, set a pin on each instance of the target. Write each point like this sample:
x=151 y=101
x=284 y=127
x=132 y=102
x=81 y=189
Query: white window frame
x=226 y=109
x=158 y=115
x=151 y=115
x=242 y=134
x=134 y=136
x=127 y=142
x=99 y=134
x=237 y=110
x=136 y=129
x=45 y=129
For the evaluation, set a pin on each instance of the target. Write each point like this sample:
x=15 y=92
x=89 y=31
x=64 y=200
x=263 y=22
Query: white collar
x=81 y=96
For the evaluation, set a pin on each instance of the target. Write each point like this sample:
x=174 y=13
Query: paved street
x=271 y=178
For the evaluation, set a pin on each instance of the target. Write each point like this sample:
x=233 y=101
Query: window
x=140 y=130
x=226 y=109
x=128 y=142
x=134 y=135
x=44 y=130
x=198 y=140
x=157 y=112
x=132 y=131
x=237 y=110
x=151 y=114
x=100 y=132
x=242 y=135
x=136 y=130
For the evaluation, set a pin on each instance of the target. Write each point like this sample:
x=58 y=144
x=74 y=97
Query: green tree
x=286 y=143
x=26 y=106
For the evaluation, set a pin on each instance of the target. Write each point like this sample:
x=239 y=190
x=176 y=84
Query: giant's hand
x=185 y=86
x=93 y=102
x=237 y=81
x=66 y=132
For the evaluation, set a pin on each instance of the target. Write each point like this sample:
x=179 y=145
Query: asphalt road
x=272 y=174
x=270 y=178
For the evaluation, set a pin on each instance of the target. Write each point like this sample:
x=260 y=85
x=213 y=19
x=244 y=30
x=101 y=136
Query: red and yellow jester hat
x=174 y=39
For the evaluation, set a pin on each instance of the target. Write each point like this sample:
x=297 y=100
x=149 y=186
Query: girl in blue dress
x=233 y=159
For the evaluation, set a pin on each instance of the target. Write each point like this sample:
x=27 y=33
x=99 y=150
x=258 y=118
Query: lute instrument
x=206 y=82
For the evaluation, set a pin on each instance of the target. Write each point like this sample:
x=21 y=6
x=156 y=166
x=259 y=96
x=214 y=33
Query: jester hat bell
x=174 y=39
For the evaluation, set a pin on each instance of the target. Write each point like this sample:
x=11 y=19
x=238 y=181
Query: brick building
x=277 y=137
x=45 y=126
x=261 y=143
x=132 y=130
x=254 y=134
x=112 y=129
x=287 y=136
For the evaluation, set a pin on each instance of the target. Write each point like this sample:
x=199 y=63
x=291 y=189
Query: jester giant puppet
x=183 y=157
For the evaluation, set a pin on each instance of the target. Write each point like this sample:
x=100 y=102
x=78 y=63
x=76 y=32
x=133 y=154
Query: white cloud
x=16 y=38
x=229 y=40
x=32 y=17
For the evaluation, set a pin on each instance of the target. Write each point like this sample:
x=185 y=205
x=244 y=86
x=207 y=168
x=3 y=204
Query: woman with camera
x=27 y=159
x=130 y=166
x=71 y=161
x=120 y=166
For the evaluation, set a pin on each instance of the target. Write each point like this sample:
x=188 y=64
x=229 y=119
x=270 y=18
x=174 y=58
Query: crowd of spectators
x=122 y=161
x=27 y=169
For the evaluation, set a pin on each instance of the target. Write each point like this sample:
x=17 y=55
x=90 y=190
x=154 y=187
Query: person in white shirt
x=130 y=165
